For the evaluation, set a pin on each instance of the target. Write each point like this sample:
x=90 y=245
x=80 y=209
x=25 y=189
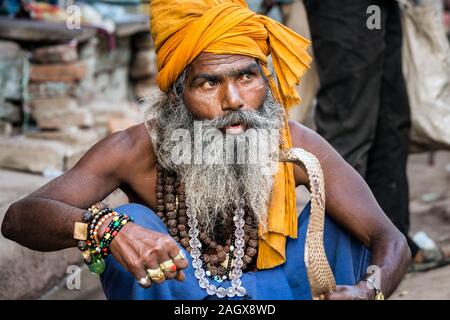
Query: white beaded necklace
x=236 y=288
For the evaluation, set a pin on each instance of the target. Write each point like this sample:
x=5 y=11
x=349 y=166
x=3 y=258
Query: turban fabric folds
x=183 y=29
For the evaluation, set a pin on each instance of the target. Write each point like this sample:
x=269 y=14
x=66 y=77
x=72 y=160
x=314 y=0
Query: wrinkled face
x=218 y=84
x=227 y=93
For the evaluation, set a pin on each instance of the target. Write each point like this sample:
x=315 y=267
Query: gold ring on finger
x=155 y=274
x=168 y=266
x=179 y=256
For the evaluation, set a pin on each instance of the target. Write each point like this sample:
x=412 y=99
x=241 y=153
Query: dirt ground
x=429 y=176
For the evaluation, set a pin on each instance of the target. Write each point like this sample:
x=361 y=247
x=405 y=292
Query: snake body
x=319 y=273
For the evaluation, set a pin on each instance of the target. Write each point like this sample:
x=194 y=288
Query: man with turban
x=190 y=213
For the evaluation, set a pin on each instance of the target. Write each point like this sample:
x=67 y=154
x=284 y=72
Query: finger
x=145 y=282
x=152 y=268
x=179 y=258
x=340 y=290
x=168 y=267
x=180 y=276
x=326 y=296
x=343 y=295
x=139 y=273
x=338 y=296
x=155 y=273
x=130 y=261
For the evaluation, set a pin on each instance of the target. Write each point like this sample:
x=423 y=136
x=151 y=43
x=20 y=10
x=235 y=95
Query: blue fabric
x=348 y=259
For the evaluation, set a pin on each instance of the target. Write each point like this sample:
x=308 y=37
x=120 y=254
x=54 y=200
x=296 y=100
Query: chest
x=141 y=188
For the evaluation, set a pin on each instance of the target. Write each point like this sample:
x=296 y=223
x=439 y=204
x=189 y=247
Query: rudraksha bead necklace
x=216 y=257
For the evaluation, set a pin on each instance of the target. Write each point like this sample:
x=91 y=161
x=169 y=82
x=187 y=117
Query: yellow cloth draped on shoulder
x=182 y=29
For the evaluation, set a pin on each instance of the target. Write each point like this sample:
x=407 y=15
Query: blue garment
x=348 y=259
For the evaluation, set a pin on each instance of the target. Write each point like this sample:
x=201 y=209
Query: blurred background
x=73 y=72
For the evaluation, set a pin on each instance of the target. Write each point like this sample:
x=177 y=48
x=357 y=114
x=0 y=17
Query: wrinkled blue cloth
x=348 y=259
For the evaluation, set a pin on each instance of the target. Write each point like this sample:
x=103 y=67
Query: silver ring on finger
x=144 y=281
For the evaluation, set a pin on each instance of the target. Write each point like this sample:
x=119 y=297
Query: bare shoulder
x=134 y=141
x=120 y=150
x=311 y=141
x=304 y=137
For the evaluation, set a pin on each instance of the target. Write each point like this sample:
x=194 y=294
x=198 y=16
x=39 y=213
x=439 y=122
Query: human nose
x=232 y=100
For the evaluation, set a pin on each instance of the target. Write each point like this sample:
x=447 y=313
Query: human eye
x=247 y=76
x=209 y=84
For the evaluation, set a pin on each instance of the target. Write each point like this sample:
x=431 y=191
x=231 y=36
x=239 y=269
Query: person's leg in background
x=362 y=105
x=349 y=60
x=386 y=169
x=309 y=84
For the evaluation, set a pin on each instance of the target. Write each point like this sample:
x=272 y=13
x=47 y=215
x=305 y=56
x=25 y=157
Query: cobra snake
x=318 y=270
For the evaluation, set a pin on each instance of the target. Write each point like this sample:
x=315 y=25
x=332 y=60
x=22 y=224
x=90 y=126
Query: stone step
x=37 y=155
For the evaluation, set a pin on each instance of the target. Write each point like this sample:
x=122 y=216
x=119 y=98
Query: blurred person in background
x=362 y=104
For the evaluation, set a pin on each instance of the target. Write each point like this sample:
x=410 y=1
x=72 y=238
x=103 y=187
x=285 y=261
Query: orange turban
x=182 y=29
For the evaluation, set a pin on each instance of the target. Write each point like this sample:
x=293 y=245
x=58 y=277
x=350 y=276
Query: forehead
x=218 y=63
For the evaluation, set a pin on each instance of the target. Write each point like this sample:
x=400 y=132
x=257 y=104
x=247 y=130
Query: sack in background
x=426 y=66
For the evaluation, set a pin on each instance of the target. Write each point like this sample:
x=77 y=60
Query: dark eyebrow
x=205 y=76
x=251 y=68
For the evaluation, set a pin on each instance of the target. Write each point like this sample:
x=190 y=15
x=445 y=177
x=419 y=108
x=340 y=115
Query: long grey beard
x=214 y=188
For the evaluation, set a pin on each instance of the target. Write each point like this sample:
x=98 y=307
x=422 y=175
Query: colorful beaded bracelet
x=93 y=250
x=97 y=218
x=111 y=232
x=90 y=218
x=100 y=223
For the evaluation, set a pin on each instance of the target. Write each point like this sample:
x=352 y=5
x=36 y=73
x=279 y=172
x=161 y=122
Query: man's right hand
x=138 y=249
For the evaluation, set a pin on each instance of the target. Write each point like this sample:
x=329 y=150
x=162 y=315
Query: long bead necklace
x=236 y=288
x=172 y=209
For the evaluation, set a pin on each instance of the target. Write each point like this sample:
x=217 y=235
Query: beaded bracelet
x=100 y=214
x=100 y=223
x=93 y=242
x=92 y=256
x=112 y=230
x=81 y=229
x=94 y=251
x=89 y=219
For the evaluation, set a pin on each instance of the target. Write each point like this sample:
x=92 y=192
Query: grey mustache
x=252 y=119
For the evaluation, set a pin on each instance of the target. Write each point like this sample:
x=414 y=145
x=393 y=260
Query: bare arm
x=350 y=202
x=44 y=220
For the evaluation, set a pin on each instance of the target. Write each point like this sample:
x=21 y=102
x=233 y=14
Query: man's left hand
x=360 y=291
